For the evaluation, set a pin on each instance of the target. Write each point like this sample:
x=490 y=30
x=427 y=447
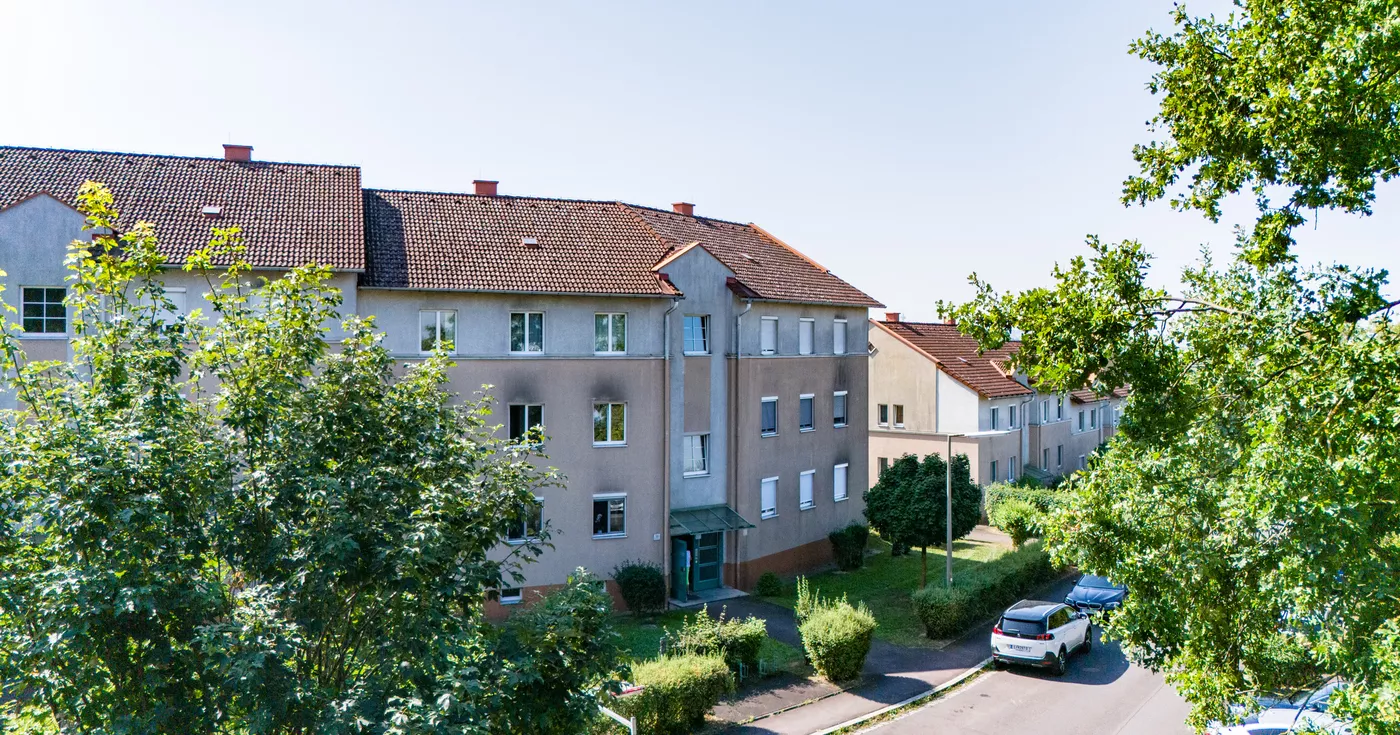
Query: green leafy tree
x=1250 y=498
x=223 y=526
x=908 y=506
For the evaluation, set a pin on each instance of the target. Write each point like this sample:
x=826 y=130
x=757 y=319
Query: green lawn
x=641 y=639
x=885 y=582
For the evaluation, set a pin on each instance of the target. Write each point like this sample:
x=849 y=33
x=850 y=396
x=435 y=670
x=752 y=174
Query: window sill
x=839 y=426
x=883 y=426
x=610 y=354
x=688 y=353
x=689 y=475
x=522 y=541
x=609 y=444
x=767 y=353
x=807 y=430
x=511 y=601
x=899 y=426
x=766 y=516
x=768 y=433
x=841 y=499
x=808 y=506
x=610 y=535
x=44 y=335
x=526 y=353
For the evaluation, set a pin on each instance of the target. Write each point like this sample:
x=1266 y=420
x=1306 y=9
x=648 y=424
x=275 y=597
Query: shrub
x=643 y=586
x=768 y=585
x=736 y=641
x=1018 y=518
x=837 y=639
x=676 y=692
x=809 y=602
x=944 y=612
x=848 y=545
x=1044 y=499
x=741 y=641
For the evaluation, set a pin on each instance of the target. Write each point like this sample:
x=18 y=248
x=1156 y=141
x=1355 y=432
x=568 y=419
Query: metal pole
x=948 y=506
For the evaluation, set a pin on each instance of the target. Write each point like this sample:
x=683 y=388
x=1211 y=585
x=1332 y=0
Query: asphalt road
x=1101 y=694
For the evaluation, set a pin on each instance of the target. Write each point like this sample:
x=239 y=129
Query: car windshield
x=1091 y=580
x=1022 y=627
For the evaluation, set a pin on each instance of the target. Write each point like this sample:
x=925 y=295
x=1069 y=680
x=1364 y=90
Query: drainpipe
x=734 y=441
x=666 y=443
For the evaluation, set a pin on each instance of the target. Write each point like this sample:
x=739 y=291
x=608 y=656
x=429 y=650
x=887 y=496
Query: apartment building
x=930 y=386
x=702 y=385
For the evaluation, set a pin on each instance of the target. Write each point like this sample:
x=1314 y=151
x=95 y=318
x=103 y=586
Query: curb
x=960 y=678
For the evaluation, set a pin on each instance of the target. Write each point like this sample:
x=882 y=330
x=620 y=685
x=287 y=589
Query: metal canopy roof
x=708 y=519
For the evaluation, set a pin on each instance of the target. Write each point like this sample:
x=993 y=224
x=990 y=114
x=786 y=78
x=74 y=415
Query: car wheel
x=1088 y=640
x=1058 y=669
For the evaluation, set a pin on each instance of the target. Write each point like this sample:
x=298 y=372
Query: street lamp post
x=948 y=519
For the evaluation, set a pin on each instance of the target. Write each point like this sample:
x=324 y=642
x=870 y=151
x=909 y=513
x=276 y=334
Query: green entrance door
x=709 y=560
x=680 y=574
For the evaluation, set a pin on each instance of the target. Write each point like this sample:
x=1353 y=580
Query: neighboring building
x=701 y=384
x=928 y=381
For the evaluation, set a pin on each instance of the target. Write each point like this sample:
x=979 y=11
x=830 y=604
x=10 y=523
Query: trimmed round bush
x=768 y=585
x=837 y=639
x=676 y=692
x=642 y=585
x=944 y=612
x=848 y=546
x=1017 y=518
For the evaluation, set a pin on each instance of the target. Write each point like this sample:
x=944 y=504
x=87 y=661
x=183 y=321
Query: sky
x=902 y=145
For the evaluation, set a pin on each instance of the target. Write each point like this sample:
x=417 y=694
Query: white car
x=1298 y=712
x=1038 y=633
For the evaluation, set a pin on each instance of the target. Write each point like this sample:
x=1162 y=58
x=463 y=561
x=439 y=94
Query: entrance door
x=709 y=560
x=680 y=573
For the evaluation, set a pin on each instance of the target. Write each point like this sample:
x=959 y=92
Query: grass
x=885 y=582
x=641 y=639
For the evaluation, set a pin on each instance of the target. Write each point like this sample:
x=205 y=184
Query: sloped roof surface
x=290 y=213
x=957 y=354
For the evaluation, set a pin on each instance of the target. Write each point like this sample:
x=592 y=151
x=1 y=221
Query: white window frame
x=704 y=334
x=771 y=512
x=608 y=431
x=526 y=407
x=763 y=327
x=845 y=409
x=1081 y=428
x=611 y=317
x=806 y=489
x=993 y=417
x=1059 y=455
x=1083 y=461
x=1045 y=411
x=812 y=426
x=1045 y=458
x=838 y=336
x=994 y=471
x=898 y=416
x=882 y=409
x=704 y=437
x=1060 y=408
x=776 y=422
x=504 y=598
x=806 y=332
x=437 y=327
x=1011 y=416
x=1093 y=419
x=1011 y=469
x=882 y=466
x=45 y=319
x=527 y=350
x=625 y=512
x=525 y=527
x=841 y=491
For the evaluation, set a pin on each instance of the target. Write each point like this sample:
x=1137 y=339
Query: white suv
x=1040 y=634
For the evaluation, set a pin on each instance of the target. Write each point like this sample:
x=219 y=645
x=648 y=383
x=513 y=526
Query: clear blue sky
x=902 y=145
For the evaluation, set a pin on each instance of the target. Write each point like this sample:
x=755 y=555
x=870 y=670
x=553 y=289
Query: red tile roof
x=426 y=240
x=957 y=355
x=291 y=213
x=1085 y=395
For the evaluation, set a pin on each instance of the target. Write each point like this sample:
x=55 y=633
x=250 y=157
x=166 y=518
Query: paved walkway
x=892 y=674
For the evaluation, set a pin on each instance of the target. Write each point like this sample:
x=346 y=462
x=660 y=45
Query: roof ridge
x=470 y=195
x=211 y=159
x=678 y=214
x=774 y=239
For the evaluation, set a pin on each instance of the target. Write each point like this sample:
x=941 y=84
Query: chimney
x=950 y=321
x=240 y=153
x=891 y=316
x=485 y=188
x=685 y=208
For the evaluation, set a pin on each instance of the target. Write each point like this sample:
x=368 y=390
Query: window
x=994 y=417
x=609 y=515
x=838 y=408
x=529 y=528
x=436 y=327
x=695 y=449
x=768 y=420
x=1081 y=420
x=838 y=337
x=806 y=335
x=884 y=414
x=838 y=482
x=1083 y=462
x=1011 y=414
x=768 y=497
x=806 y=413
x=609 y=423
x=168 y=313
x=884 y=464
x=44 y=312
x=697 y=335
x=523 y=418
x=1045 y=411
x=804 y=490
x=994 y=471
x=1059 y=618
x=610 y=334
x=898 y=416
x=1060 y=455
x=1045 y=458
x=1060 y=409
x=1093 y=418
x=1011 y=469
x=527 y=331
x=768 y=336
x=510 y=596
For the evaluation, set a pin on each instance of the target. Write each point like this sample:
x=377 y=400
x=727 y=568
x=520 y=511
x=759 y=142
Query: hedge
x=1017 y=518
x=983 y=592
x=837 y=639
x=848 y=545
x=1043 y=498
x=642 y=585
x=676 y=692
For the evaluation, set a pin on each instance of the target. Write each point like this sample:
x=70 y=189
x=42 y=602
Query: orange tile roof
x=957 y=355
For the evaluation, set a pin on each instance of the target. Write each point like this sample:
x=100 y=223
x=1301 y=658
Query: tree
x=908 y=506
x=1249 y=500
x=223 y=526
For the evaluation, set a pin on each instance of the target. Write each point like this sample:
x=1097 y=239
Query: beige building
x=702 y=385
x=929 y=386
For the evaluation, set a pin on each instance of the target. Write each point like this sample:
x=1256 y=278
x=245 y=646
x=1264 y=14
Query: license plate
x=1022 y=649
